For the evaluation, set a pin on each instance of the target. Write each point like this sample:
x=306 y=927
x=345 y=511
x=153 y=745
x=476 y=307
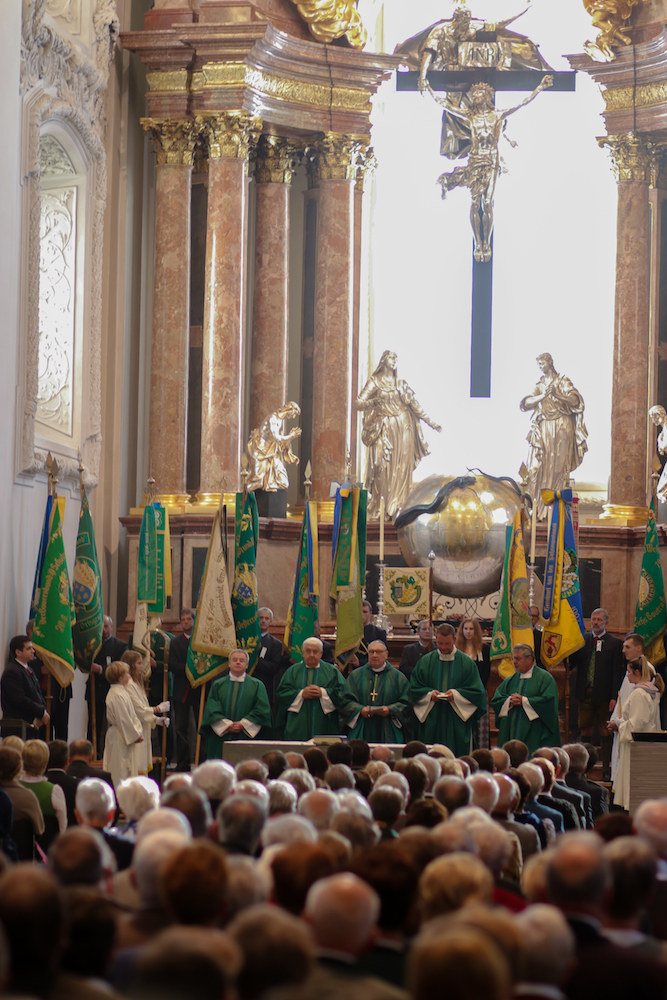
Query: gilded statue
x=659 y=417
x=557 y=435
x=485 y=125
x=392 y=434
x=270 y=450
x=464 y=42
x=609 y=17
x=331 y=19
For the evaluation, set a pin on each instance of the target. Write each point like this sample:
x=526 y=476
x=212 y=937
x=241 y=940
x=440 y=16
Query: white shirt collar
x=234 y=677
x=528 y=674
x=312 y=668
x=378 y=670
x=447 y=656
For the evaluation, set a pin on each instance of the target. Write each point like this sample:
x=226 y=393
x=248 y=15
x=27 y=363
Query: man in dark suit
x=60 y=696
x=579 y=801
x=599 y=675
x=80 y=764
x=576 y=778
x=269 y=656
x=111 y=650
x=57 y=775
x=184 y=698
x=19 y=690
x=414 y=651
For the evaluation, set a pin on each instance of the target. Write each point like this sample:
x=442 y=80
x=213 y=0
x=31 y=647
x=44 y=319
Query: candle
x=381 y=529
x=533 y=529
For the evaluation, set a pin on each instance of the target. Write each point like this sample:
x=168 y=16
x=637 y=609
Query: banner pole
x=202 y=699
x=49 y=700
x=93 y=710
x=165 y=695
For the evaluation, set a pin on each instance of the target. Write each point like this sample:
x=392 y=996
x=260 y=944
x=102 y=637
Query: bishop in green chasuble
x=313 y=697
x=526 y=704
x=447 y=695
x=237 y=707
x=381 y=706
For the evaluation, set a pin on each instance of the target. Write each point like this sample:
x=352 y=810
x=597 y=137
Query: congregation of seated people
x=348 y=870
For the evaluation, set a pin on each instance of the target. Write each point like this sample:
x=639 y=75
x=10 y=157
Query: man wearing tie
x=19 y=689
x=599 y=675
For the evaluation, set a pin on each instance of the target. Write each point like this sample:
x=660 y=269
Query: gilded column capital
x=275 y=160
x=174 y=138
x=338 y=155
x=231 y=134
x=366 y=165
x=634 y=157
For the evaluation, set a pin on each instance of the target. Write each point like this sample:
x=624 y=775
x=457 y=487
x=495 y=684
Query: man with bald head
x=342 y=912
x=526 y=703
x=313 y=697
x=380 y=707
x=237 y=707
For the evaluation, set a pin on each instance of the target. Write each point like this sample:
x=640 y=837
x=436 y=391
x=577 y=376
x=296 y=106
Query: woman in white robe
x=148 y=717
x=639 y=714
x=124 y=726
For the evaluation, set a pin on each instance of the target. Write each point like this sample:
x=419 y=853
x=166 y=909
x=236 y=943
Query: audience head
x=150 y=855
x=501 y=760
x=518 y=752
x=484 y=760
x=187 y=963
x=320 y=807
x=548 y=770
x=547 y=945
x=288 y=830
x=339 y=753
x=413 y=748
x=296 y=760
x=339 y=776
x=361 y=752
x=387 y=805
x=375 y=768
x=578 y=755
x=415 y=774
x=301 y=779
x=633 y=871
x=384 y=754
x=10 y=763
x=94 y=803
x=465 y=958
x=343 y=912
x=294 y=870
x=252 y=770
x=578 y=874
x=651 y=823
x=194 y=805
x=58 y=754
x=277 y=948
x=470 y=763
x=485 y=790
x=317 y=762
x=164 y=819
x=392 y=873
x=77 y=857
x=91 y=934
x=609 y=826
x=240 y=821
x=31 y=914
x=137 y=796
x=433 y=769
x=452 y=881
x=81 y=750
x=247 y=884
x=427 y=813
x=215 y=778
x=276 y=762
x=35 y=757
x=194 y=884
x=282 y=797
x=508 y=795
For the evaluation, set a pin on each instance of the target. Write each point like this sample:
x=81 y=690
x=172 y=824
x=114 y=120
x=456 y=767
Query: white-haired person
x=216 y=779
x=136 y=797
x=237 y=707
x=639 y=713
x=313 y=696
x=148 y=717
x=95 y=807
x=124 y=727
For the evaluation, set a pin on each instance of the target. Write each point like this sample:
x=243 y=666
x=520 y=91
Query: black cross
x=482 y=273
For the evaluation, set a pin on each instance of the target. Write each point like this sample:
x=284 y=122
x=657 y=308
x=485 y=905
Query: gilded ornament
x=174 y=138
x=270 y=450
x=557 y=435
x=634 y=157
x=330 y=19
x=609 y=19
x=230 y=133
x=392 y=435
x=296 y=92
x=173 y=81
x=626 y=98
x=276 y=160
x=366 y=165
x=338 y=155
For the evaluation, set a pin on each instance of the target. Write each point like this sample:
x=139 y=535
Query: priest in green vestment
x=447 y=695
x=526 y=704
x=381 y=707
x=237 y=707
x=313 y=697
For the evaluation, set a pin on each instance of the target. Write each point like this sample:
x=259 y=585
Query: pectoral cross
x=375 y=692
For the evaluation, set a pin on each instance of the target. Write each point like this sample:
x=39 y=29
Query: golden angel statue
x=270 y=450
x=609 y=17
x=392 y=434
x=557 y=435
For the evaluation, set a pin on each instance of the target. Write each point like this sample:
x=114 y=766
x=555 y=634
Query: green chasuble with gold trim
x=234 y=700
x=542 y=693
x=311 y=719
x=440 y=721
x=376 y=688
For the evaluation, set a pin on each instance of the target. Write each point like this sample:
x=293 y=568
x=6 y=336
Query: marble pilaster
x=633 y=163
x=274 y=171
x=230 y=135
x=174 y=140
x=334 y=309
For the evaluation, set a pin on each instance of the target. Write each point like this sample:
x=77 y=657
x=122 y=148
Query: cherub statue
x=485 y=126
x=609 y=17
x=270 y=450
x=659 y=418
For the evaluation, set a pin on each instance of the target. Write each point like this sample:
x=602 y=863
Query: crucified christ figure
x=485 y=124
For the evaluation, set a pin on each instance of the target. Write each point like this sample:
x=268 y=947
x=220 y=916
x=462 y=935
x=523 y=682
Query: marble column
x=174 y=140
x=334 y=301
x=274 y=171
x=366 y=163
x=230 y=135
x=633 y=162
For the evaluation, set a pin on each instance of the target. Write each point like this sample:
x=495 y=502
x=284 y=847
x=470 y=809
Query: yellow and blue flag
x=564 y=631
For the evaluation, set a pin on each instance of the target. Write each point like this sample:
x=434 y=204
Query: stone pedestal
x=274 y=171
x=334 y=286
x=229 y=136
x=174 y=141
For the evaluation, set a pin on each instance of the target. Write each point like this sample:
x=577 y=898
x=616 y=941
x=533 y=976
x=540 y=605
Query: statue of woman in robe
x=658 y=416
x=392 y=434
x=557 y=435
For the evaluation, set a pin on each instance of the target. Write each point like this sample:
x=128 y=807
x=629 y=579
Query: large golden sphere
x=466 y=533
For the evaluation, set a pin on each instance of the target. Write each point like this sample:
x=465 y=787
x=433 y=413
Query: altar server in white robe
x=124 y=727
x=633 y=649
x=637 y=715
x=148 y=717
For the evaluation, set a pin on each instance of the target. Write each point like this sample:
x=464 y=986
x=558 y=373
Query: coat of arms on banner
x=406 y=591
